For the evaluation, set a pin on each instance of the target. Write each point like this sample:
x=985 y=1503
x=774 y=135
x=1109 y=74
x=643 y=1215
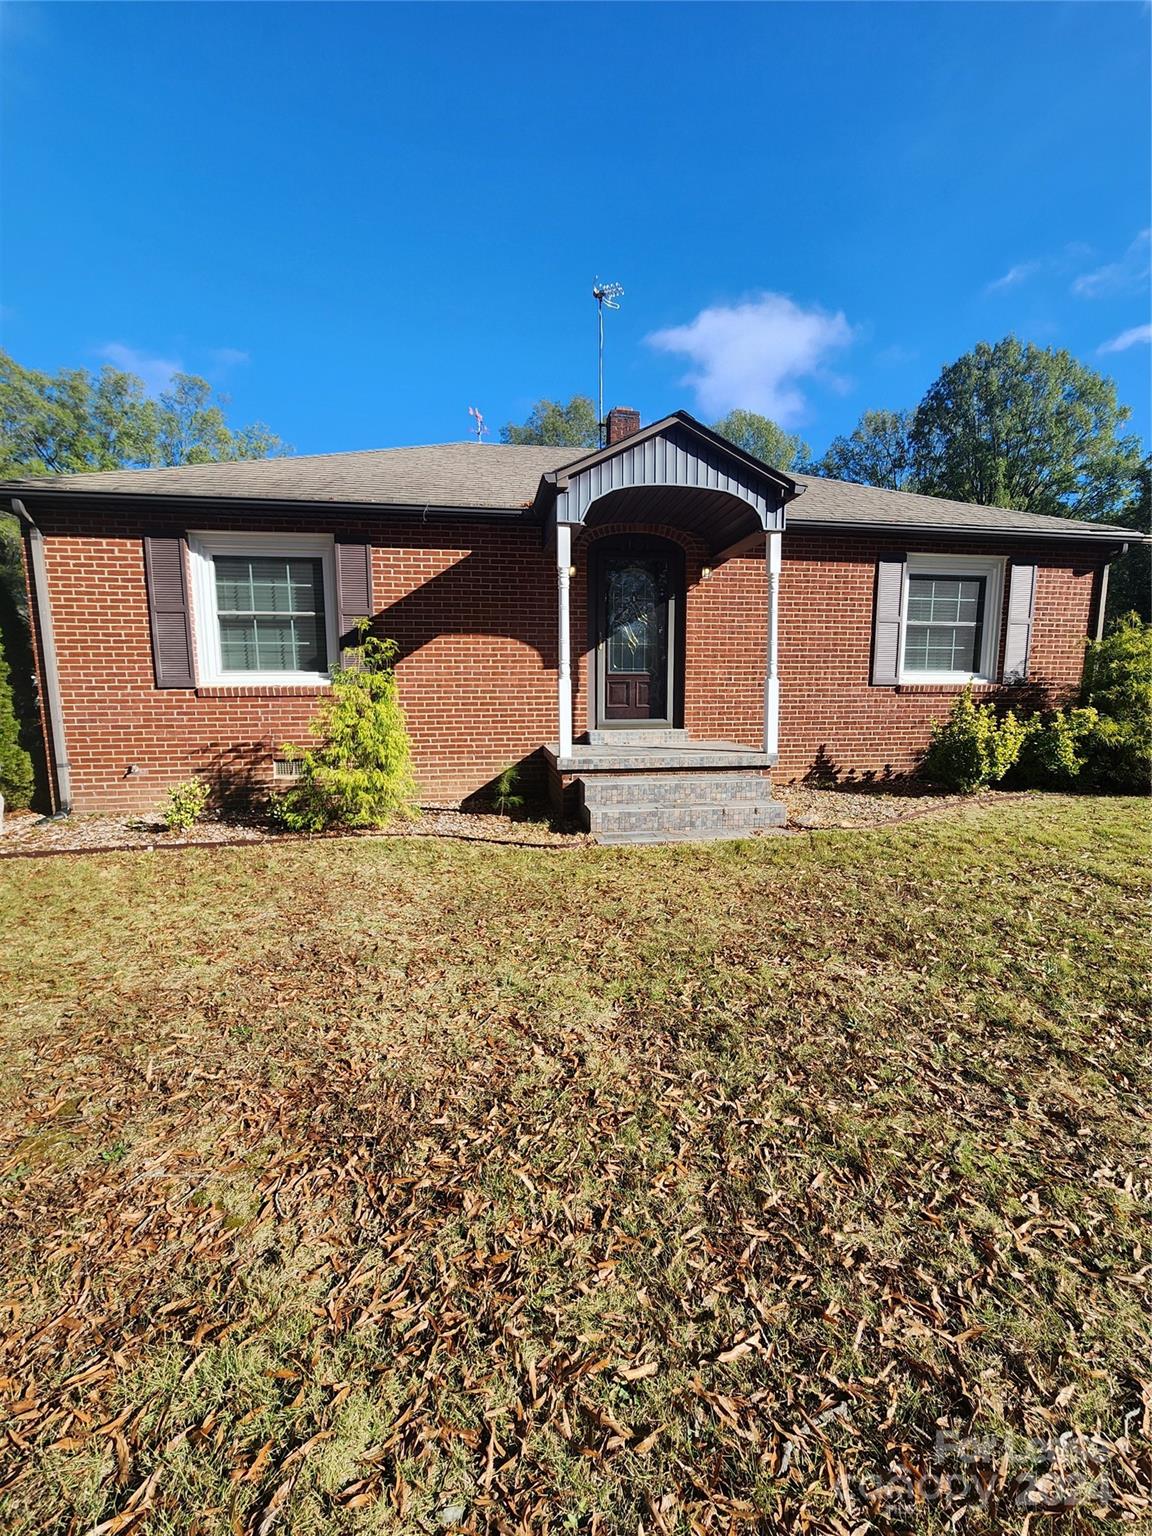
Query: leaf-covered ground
x=410 y=1186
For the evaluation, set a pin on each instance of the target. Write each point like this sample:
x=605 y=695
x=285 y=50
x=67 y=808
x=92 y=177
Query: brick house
x=655 y=629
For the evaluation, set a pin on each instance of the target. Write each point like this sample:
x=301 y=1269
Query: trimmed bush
x=974 y=747
x=361 y=773
x=186 y=805
x=1055 y=748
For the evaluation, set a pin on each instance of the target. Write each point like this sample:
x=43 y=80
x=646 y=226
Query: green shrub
x=16 y=776
x=1055 y=748
x=186 y=805
x=1118 y=685
x=974 y=747
x=361 y=773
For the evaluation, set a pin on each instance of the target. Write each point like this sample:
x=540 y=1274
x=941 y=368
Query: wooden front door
x=636 y=604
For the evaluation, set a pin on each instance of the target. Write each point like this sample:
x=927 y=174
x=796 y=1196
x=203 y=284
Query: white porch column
x=564 y=652
x=772 y=560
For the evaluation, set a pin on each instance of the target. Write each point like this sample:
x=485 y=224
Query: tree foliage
x=1016 y=425
x=551 y=424
x=75 y=421
x=1130 y=579
x=16 y=776
x=1118 y=686
x=877 y=452
x=18 y=691
x=762 y=438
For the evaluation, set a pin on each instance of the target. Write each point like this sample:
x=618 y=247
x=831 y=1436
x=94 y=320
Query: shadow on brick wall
x=239 y=774
x=524 y=780
x=475 y=597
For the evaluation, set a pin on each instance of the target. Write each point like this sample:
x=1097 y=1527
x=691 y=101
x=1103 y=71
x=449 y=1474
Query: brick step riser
x=683 y=821
x=685 y=790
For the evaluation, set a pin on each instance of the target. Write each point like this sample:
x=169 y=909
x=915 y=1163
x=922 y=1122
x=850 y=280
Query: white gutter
x=49 y=665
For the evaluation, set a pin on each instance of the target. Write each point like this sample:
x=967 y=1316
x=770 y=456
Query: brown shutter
x=1021 y=612
x=353 y=588
x=886 y=621
x=169 y=613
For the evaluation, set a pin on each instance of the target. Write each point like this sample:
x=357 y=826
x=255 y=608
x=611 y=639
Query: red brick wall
x=472 y=607
x=830 y=715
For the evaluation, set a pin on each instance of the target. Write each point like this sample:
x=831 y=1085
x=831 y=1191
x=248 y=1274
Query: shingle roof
x=488 y=475
x=867 y=506
x=500 y=476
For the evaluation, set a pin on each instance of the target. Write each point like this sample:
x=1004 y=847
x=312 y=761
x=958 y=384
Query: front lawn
x=409 y=1186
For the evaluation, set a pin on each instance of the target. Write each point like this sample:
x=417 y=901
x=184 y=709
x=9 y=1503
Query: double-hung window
x=264 y=608
x=951 y=618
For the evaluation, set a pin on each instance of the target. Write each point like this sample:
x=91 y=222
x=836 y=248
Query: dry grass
x=401 y=1186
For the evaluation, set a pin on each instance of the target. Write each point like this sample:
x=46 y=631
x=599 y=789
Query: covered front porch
x=667 y=549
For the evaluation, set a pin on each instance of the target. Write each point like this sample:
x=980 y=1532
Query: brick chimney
x=622 y=422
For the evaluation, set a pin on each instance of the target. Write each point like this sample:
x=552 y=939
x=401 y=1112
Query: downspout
x=1102 y=601
x=49 y=664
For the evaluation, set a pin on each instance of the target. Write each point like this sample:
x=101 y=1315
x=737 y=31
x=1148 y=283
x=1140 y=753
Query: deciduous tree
x=1015 y=425
x=74 y=421
x=762 y=438
x=551 y=424
x=876 y=453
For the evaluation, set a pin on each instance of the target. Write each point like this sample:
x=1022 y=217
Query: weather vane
x=606 y=295
x=480 y=429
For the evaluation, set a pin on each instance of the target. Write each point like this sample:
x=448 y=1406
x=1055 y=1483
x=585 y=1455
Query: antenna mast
x=606 y=295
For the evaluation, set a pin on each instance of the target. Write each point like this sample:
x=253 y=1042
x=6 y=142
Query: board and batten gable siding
x=672 y=457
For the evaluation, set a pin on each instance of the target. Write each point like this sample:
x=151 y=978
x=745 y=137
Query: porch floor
x=664 y=758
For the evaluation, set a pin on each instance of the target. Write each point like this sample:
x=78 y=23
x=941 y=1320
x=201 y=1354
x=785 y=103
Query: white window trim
x=991 y=567
x=202 y=547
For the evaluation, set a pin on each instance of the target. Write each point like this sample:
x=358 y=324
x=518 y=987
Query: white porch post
x=772 y=559
x=564 y=653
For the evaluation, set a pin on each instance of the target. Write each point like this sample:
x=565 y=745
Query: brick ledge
x=264 y=693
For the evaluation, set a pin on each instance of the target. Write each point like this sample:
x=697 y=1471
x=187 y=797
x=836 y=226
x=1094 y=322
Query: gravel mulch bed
x=27 y=834
x=811 y=806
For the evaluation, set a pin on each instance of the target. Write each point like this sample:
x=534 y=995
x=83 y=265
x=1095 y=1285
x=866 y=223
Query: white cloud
x=1136 y=336
x=1014 y=276
x=753 y=354
x=156 y=372
x=1118 y=276
x=229 y=357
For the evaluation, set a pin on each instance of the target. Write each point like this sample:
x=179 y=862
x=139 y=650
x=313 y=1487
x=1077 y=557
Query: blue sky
x=359 y=220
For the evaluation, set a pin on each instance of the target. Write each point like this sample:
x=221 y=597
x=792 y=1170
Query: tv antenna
x=606 y=295
x=480 y=429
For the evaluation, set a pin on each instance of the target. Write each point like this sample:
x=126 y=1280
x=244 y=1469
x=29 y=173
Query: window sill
x=264 y=691
x=944 y=685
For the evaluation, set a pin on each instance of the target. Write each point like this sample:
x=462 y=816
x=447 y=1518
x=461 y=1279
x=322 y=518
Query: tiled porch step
x=673 y=737
x=688 y=755
x=604 y=789
x=657 y=823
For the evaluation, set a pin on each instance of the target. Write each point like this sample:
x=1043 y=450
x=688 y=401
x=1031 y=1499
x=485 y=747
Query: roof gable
x=675 y=451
